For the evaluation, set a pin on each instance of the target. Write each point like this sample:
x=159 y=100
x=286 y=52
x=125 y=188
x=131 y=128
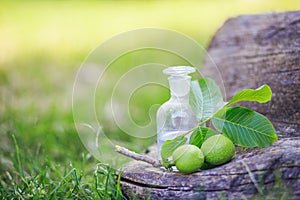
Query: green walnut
x=188 y=158
x=218 y=149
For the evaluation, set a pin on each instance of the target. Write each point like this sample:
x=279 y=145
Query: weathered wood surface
x=253 y=50
x=249 y=51
x=274 y=171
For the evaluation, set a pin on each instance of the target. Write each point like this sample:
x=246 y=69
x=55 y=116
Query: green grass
x=47 y=180
x=42 y=44
x=38 y=161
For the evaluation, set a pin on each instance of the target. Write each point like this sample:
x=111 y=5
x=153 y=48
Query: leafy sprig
x=243 y=126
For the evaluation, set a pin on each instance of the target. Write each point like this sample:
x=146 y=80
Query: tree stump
x=249 y=51
x=272 y=172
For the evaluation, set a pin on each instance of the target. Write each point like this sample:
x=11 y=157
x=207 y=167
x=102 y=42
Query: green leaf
x=262 y=94
x=170 y=145
x=200 y=135
x=245 y=127
x=205 y=98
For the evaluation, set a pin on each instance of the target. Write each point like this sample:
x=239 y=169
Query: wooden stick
x=136 y=156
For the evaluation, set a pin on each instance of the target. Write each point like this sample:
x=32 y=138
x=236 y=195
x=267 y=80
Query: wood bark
x=270 y=173
x=249 y=51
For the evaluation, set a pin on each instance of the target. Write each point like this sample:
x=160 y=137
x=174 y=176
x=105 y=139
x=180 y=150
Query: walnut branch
x=136 y=156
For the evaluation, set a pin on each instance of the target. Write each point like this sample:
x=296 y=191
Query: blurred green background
x=42 y=45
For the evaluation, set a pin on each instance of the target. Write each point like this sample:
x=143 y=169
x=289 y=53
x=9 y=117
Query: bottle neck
x=181 y=100
x=180 y=88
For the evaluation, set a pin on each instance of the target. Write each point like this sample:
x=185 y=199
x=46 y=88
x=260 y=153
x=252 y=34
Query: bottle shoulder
x=171 y=108
x=171 y=104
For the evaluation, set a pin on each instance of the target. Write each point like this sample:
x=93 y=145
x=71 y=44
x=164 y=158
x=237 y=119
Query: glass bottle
x=175 y=116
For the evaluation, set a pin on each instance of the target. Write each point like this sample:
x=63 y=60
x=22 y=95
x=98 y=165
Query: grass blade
x=18 y=156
